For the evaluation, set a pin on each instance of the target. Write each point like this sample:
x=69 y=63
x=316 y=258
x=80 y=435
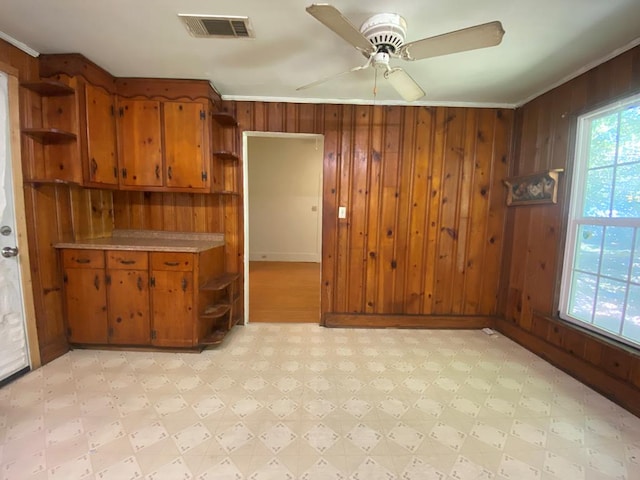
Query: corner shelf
x=226 y=155
x=225 y=119
x=220 y=282
x=49 y=88
x=222 y=306
x=225 y=192
x=50 y=136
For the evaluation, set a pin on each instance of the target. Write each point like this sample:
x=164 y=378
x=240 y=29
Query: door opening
x=283 y=226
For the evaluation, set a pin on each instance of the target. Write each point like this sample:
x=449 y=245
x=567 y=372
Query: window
x=601 y=274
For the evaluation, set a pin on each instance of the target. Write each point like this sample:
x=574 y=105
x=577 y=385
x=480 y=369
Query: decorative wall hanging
x=533 y=189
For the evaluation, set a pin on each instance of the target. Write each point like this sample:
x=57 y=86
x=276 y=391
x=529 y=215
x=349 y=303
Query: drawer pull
x=96 y=282
x=127 y=262
x=83 y=260
x=184 y=284
x=140 y=283
x=172 y=264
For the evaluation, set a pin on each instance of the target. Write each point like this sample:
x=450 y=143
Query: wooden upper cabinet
x=101 y=166
x=186 y=145
x=140 y=143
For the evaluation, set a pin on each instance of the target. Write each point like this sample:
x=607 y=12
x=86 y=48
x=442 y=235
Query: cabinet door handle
x=127 y=262
x=94 y=167
x=140 y=283
x=172 y=264
x=157 y=171
x=96 y=282
x=170 y=173
x=82 y=260
x=184 y=284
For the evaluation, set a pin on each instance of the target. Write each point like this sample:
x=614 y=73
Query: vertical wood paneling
x=372 y=210
x=388 y=211
x=494 y=236
x=345 y=154
x=329 y=206
x=358 y=206
x=415 y=255
x=406 y=165
x=545 y=137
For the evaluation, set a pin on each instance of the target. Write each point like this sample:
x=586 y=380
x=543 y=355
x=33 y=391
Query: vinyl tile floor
x=295 y=401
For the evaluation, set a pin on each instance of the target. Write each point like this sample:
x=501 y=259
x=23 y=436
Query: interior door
x=14 y=353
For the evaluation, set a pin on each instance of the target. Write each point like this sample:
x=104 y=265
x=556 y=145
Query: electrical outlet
x=342 y=212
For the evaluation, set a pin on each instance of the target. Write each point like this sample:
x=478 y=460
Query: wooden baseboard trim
x=614 y=389
x=364 y=320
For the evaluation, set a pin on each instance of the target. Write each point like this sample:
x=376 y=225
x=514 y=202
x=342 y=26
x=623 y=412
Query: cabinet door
x=86 y=302
x=186 y=145
x=172 y=300
x=129 y=307
x=102 y=161
x=140 y=152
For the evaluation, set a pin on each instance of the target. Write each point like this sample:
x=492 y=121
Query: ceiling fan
x=382 y=36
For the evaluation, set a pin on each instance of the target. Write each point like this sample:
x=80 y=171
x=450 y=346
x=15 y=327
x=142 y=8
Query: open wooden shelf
x=49 y=88
x=226 y=155
x=220 y=282
x=224 y=192
x=215 y=311
x=225 y=119
x=49 y=136
x=214 y=338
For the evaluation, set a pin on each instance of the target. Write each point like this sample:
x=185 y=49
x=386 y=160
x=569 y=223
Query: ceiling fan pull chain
x=375 y=85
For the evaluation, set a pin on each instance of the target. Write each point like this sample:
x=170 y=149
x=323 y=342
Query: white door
x=14 y=353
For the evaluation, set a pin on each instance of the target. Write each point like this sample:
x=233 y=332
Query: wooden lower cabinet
x=139 y=298
x=128 y=297
x=86 y=296
x=172 y=298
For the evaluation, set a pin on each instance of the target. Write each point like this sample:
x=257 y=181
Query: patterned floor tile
x=306 y=402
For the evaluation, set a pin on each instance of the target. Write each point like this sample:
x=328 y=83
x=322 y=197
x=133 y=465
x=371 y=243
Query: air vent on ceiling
x=217 y=26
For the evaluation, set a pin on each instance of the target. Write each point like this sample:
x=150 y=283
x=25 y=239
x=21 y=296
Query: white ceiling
x=546 y=42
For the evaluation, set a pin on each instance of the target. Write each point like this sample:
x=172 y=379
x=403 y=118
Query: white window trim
x=576 y=206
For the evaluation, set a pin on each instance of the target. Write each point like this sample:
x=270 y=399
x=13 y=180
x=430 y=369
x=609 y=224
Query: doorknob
x=8 y=252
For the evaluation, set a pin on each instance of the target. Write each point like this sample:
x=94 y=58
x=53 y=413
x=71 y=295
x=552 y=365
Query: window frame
x=574 y=218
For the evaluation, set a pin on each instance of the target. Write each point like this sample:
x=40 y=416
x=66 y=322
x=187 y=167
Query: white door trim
x=24 y=262
x=245 y=199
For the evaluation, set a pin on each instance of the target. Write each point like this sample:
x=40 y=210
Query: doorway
x=283 y=226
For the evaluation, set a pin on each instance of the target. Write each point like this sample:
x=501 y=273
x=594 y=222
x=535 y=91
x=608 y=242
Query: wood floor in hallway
x=284 y=292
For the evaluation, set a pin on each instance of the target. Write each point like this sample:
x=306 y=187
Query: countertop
x=151 y=241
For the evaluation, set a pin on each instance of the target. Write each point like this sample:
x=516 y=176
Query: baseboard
x=365 y=320
x=616 y=390
x=284 y=257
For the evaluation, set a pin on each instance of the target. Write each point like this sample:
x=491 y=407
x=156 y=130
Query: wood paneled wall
x=545 y=128
x=425 y=201
x=425 y=204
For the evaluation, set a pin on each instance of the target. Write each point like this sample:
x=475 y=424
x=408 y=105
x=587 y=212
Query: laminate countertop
x=150 y=241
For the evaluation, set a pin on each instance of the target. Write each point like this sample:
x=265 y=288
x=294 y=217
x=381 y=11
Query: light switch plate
x=342 y=212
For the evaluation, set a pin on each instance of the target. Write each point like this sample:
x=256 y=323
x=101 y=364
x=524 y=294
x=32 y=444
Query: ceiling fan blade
x=404 y=84
x=331 y=77
x=471 y=38
x=331 y=17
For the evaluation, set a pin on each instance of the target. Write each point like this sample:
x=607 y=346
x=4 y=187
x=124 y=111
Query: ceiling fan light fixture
x=385 y=30
x=404 y=84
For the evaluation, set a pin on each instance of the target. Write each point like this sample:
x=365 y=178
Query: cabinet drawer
x=172 y=261
x=127 y=260
x=81 y=258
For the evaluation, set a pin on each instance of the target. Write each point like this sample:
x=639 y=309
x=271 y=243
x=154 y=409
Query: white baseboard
x=284 y=257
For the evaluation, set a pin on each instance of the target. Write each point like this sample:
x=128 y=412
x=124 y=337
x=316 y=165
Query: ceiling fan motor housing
x=386 y=31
